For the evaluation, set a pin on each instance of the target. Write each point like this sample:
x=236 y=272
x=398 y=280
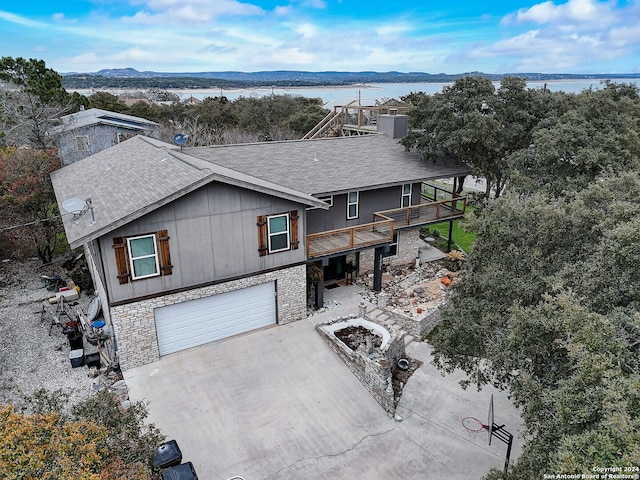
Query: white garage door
x=196 y=322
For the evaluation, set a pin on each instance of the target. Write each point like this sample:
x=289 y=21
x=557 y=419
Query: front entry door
x=336 y=268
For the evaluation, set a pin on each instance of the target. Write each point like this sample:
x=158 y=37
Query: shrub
x=455 y=260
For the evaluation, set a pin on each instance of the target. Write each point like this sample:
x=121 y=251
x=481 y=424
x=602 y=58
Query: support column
x=319 y=287
x=450 y=242
x=377 y=268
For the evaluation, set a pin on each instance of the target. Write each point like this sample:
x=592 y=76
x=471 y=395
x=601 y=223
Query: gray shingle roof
x=330 y=165
x=139 y=175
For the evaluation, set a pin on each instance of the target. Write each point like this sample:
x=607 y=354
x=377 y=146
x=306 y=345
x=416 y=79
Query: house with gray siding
x=188 y=246
x=86 y=132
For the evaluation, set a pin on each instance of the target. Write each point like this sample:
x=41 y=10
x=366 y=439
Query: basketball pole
x=501 y=434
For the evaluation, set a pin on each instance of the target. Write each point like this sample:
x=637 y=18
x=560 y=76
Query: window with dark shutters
x=123 y=256
x=294 y=229
x=262 y=235
x=165 y=258
x=122 y=262
x=264 y=247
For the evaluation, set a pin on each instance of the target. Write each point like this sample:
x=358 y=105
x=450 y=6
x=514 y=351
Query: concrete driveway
x=278 y=403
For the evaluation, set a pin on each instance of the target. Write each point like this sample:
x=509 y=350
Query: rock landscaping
x=34 y=354
x=411 y=295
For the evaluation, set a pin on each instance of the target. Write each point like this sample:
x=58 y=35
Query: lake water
x=369 y=93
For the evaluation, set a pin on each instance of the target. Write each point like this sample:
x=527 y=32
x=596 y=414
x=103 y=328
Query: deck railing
x=424 y=213
x=351 y=117
x=343 y=239
x=438 y=204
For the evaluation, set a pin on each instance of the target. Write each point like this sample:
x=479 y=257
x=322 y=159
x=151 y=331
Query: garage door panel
x=196 y=322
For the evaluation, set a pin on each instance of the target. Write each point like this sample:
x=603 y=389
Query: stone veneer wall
x=135 y=327
x=408 y=243
x=374 y=373
x=419 y=326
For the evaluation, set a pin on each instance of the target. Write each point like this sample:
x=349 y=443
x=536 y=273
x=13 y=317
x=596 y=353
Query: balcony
x=350 y=238
x=351 y=120
x=425 y=213
x=437 y=205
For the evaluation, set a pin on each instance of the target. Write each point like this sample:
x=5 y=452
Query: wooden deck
x=425 y=213
x=380 y=231
x=345 y=239
x=351 y=120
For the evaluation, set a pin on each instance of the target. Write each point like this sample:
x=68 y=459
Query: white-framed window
x=143 y=256
x=82 y=142
x=328 y=199
x=278 y=233
x=352 y=205
x=406 y=195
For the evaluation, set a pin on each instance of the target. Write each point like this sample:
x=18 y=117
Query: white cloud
x=571 y=36
x=318 y=4
x=13 y=18
x=393 y=28
x=190 y=12
x=208 y=35
x=282 y=11
x=307 y=30
x=571 y=11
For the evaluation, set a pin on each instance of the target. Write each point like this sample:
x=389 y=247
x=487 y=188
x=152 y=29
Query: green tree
x=548 y=309
x=97 y=441
x=144 y=110
x=459 y=121
x=107 y=101
x=596 y=134
x=473 y=122
x=303 y=121
x=31 y=103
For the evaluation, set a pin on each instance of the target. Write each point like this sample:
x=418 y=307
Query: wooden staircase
x=329 y=126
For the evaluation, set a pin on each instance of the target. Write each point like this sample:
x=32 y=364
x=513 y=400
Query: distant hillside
x=132 y=78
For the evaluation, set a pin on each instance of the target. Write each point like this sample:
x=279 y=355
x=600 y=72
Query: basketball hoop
x=473 y=426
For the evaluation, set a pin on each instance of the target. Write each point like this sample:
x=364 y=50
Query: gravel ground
x=30 y=358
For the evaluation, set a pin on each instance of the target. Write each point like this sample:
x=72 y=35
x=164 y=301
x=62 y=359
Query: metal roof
x=97 y=116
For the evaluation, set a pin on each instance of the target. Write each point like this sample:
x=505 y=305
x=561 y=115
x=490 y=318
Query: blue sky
x=555 y=36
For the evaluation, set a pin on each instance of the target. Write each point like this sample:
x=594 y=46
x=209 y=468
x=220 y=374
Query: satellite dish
x=72 y=205
x=94 y=309
x=180 y=139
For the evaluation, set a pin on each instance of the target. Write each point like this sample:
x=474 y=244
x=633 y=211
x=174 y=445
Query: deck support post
x=319 y=294
x=319 y=287
x=450 y=241
x=377 y=267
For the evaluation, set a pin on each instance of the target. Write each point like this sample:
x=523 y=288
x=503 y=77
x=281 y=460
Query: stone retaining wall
x=374 y=370
x=419 y=327
x=135 y=327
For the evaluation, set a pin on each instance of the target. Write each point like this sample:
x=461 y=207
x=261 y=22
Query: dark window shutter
x=165 y=258
x=262 y=235
x=122 y=262
x=293 y=216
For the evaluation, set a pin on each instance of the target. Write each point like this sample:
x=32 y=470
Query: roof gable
x=138 y=176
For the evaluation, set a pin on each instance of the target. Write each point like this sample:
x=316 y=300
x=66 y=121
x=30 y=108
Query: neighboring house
x=187 y=247
x=90 y=131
